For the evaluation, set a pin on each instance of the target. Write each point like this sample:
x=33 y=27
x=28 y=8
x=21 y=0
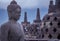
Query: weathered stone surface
x=11 y=30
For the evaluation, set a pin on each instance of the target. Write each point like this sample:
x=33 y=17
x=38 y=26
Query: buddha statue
x=11 y=30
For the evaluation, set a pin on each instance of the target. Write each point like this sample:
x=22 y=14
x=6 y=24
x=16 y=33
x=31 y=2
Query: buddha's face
x=15 y=14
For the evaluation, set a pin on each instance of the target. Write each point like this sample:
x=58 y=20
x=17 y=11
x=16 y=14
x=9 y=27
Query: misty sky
x=30 y=6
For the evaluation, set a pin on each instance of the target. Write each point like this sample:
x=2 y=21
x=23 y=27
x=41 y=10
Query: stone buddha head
x=14 y=10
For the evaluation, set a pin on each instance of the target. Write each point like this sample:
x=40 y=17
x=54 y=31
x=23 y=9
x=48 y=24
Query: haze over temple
x=47 y=29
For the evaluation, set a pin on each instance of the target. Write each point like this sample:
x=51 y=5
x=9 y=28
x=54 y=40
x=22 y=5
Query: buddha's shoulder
x=6 y=24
